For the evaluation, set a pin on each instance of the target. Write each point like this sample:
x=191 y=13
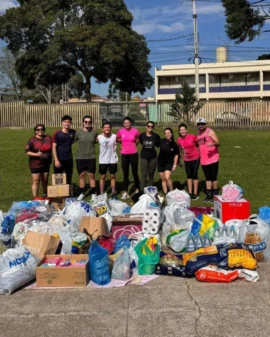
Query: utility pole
x=196 y=50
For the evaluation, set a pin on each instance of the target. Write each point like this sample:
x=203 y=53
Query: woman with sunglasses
x=190 y=153
x=39 y=150
x=167 y=159
x=148 y=158
x=208 y=144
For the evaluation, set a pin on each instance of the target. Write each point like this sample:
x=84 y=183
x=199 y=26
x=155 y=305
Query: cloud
x=146 y=28
x=5 y=4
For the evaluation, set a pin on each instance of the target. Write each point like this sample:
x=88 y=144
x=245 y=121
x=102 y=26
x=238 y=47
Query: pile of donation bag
x=107 y=239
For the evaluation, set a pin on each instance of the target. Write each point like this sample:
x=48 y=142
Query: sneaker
x=194 y=196
x=137 y=190
x=80 y=197
x=125 y=196
x=208 y=198
x=113 y=195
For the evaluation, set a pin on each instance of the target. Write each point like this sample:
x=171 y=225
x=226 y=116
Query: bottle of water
x=198 y=240
x=224 y=235
x=207 y=241
x=190 y=243
x=233 y=234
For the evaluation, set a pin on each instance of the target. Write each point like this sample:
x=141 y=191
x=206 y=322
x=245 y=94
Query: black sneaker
x=208 y=198
x=194 y=196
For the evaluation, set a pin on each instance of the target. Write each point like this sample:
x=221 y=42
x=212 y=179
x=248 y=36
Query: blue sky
x=169 y=24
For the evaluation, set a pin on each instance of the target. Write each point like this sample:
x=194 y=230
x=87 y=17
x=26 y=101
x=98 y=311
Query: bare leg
x=82 y=180
x=208 y=185
x=163 y=182
x=44 y=181
x=102 y=183
x=92 y=180
x=113 y=183
x=168 y=179
x=35 y=184
x=215 y=185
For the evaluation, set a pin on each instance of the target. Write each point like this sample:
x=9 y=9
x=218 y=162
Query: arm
x=30 y=153
x=56 y=161
x=215 y=141
x=175 y=162
x=118 y=137
x=137 y=137
x=181 y=153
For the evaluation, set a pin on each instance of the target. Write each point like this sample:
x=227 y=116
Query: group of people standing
x=195 y=150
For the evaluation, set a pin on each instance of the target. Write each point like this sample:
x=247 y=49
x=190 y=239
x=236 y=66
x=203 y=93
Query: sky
x=168 y=27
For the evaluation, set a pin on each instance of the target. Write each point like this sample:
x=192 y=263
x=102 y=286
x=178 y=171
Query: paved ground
x=167 y=306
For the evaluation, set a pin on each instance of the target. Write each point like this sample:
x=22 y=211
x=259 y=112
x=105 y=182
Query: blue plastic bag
x=99 y=264
x=121 y=242
x=264 y=213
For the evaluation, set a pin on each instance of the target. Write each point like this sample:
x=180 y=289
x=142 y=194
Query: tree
x=185 y=105
x=8 y=75
x=264 y=57
x=93 y=37
x=245 y=19
x=114 y=93
x=75 y=86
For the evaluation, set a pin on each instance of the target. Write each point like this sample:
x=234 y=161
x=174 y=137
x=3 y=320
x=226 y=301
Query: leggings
x=210 y=171
x=132 y=159
x=192 y=168
x=66 y=167
x=148 y=168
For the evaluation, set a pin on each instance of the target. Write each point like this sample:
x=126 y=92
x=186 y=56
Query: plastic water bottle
x=233 y=234
x=198 y=241
x=224 y=235
x=190 y=243
x=207 y=241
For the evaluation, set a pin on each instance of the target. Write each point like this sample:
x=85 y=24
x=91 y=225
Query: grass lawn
x=244 y=159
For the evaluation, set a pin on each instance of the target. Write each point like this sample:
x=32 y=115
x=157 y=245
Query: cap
x=201 y=120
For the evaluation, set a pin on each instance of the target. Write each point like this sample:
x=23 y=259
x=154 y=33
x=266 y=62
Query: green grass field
x=244 y=159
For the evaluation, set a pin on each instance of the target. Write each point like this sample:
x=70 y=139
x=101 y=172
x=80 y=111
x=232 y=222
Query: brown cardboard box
x=94 y=226
x=59 y=179
x=59 y=191
x=58 y=203
x=40 y=244
x=63 y=276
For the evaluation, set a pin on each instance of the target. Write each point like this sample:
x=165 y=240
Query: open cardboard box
x=63 y=276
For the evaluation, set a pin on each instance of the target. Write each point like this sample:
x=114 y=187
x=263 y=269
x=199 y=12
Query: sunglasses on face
x=87 y=122
x=39 y=129
x=150 y=126
x=200 y=124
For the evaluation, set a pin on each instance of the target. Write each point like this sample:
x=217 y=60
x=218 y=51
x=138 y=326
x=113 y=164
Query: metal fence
x=218 y=114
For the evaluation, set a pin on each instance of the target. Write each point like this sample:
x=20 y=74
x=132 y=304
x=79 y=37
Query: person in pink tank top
x=190 y=153
x=208 y=144
x=129 y=138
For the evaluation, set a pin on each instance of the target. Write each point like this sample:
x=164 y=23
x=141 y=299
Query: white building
x=218 y=81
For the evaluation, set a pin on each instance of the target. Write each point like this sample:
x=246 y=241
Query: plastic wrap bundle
x=179 y=215
x=232 y=192
x=151 y=221
x=74 y=213
x=118 y=207
x=17 y=267
x=177 y=196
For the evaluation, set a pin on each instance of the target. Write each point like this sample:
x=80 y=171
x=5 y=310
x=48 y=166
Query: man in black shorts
x=61 y=148
x=86 y=155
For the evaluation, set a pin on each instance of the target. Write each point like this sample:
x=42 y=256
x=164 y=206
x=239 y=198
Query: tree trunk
x=87 y=88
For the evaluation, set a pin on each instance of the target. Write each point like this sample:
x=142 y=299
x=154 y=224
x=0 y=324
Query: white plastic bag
x=151 y=190
x=101 y=204
x=255 y=233
x=178 y=242
x=179 y=214
x=144 y=202
x=232 y=192
x=17 y=267
x=121 y=267
x=118 y=207
x=178 y=196
x=74 y=213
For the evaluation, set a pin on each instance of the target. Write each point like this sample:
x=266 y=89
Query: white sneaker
x=137 y=190
x=125 y=196
x=80 y=197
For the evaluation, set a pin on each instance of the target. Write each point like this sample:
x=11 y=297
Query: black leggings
x=210 y=171
x=132 y=159
x=192 y=168
x=66 y=167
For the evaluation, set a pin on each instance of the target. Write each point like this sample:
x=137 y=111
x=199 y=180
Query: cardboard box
x=126 y=225
x=227 y=210
x=59 y=191
x=94 y=226
x=58 y=203
x=40 y=244
x=59 y=179
x=63 y=276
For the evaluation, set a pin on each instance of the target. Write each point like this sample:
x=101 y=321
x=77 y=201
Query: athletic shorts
x=86 y=165
x=192 y=168
x=210 y=171
x=103 y=168
x=165 y=167
x=44 y=169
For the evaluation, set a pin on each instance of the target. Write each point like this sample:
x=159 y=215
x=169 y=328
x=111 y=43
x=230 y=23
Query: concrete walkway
x=167 y=306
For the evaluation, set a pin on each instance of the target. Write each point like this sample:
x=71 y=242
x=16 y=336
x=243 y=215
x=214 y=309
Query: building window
x=236 y=79
x=175 y=81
